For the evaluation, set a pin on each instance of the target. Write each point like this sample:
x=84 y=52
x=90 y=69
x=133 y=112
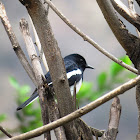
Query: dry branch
x=55 y=115
x=88 y=39
x=114 y=119
x=38 y=44
x=16 y=47
x=131 y=6
x=5 y=132
x=138 y=1
x=38 y=72
x=128 y=41
x=80 y=112
x=55 y=62
x=128 y=14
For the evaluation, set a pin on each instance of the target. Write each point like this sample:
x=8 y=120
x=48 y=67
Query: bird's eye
x=81 y=60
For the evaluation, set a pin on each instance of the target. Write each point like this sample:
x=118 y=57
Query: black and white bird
x=75 y=66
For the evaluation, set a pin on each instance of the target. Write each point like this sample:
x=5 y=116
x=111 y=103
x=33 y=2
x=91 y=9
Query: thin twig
x=5 y=132
x=131 y=6
x=74 y=95
x=80 y=112
x=38 y=44
x=16 y=47
x=38 y=73
x=88 y=39
x=127 y=13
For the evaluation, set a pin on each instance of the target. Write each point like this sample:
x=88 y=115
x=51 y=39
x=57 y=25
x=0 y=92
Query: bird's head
x=80 y=61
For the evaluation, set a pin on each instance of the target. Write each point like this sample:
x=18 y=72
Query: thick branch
x=55 y=62
x=54 y=115
x=88 y=39
x=127 y=13
x=16 y=47
x=128 y=41
x=80 y=112
x=38 y=72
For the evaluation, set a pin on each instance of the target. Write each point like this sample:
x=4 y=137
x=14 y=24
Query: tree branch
x=38 y=73
x=80 y=112
x=38 y=44
x=115 y=112
x=54 y=115
x=128 y=41
x=5 y=132
x=52 y=53
x=127 y=13
x=88 y=39
x=131 y=6
x=138 y=1
x=16 y=47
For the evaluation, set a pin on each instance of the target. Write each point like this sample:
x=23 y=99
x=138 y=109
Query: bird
x=75 y=65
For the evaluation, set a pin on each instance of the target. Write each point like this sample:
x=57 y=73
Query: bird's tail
x=30 y=100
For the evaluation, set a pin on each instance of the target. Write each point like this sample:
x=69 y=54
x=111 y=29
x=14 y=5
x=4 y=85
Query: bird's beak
x=90 y=67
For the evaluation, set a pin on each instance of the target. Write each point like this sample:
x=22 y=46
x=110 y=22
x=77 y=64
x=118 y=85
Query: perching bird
x=75 y=65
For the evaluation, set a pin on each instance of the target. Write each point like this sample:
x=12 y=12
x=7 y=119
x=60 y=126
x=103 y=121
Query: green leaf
x=24 y=90
x=84 y=90
x=14 y=83
x=2 y=117
x=126 y=60
x=115 y=68
x=101 y=80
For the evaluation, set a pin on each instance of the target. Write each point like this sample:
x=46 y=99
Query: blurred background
x=87 y=16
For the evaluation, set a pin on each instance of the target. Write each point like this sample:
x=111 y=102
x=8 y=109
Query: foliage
x=2 y=117
x=30 y=117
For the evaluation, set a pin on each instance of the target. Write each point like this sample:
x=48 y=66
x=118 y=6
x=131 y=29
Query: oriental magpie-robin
x=75 y=65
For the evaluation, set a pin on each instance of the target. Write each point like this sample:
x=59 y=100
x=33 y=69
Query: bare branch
x=54 y=115
x=128 y=41
x=131 y=6
x=127 y=13
x=115 y=112
x=138 y=1
x=80 y=112
x=16 y=47
x=38 y=44
x=74 y=96
x=5 y=132
x=52 y=53
x=38 y=72
x=88 y=39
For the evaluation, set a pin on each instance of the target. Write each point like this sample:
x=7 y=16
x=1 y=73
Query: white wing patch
x=74 y=72
x=78 y=84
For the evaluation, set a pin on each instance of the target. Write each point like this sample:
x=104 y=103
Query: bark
x=38 y=73
x=129 y=42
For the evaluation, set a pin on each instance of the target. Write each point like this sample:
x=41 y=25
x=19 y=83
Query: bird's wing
x=73 y=74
